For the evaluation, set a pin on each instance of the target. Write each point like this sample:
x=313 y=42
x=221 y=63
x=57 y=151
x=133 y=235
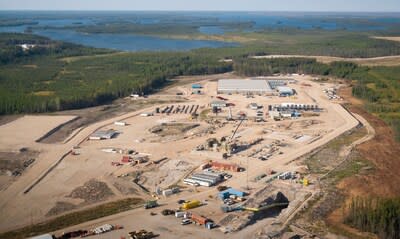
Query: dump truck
x=191 y=204
x=150 y=204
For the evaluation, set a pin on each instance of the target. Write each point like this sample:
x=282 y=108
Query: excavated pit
x=266 y=201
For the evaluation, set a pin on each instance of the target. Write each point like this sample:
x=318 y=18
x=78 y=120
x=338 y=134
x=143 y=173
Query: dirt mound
x=60 y=207
x=167 y=129
x=262 y=199
x=126 y=188
x=92 y=191
x=14 y=163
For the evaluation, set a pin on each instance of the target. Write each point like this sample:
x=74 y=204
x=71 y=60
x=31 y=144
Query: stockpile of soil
x=61 y=207
x=126 y=188
x=92 y=191
x=14 y=163
x=266 y=196
x=172 y=129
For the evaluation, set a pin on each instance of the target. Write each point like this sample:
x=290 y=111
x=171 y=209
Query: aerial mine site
x=226 y=152
x=200 y=119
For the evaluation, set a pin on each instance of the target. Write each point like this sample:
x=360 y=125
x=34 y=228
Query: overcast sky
x=206 y=5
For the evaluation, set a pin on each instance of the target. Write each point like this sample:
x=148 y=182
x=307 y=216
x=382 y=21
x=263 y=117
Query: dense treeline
x=380 y=216
x=12 y=52
x=41 y=80
x=50 y=84
x=379 y=86
x=256 y=67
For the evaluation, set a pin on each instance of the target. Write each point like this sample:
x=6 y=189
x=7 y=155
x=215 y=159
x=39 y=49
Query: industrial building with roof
x=206 y=179
x=241 y=86
x=103 y=134
x=263 y=86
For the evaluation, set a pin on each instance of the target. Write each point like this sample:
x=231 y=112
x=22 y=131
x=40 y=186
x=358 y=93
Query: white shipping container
x=179 y=214
x=167 y=192
x=120 y=123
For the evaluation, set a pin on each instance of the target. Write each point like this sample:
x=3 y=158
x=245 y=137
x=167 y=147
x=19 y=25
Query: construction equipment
x=237 y=127
x=142 y=234
x=167 y=212
x=116 y=164
x=150 y=204
x=304 y=181
x=191 y=204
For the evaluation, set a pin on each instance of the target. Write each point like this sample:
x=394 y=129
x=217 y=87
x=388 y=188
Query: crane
x=237 y=127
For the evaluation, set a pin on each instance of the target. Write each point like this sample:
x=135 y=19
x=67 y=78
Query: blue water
x=130 y=42
x=207 y=22
x=122 y=42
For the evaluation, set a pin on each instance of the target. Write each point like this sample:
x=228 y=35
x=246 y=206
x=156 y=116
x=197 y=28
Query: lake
x=208 y=23
x=130 y=42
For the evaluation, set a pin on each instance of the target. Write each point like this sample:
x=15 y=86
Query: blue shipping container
x=225 y=194
x=235 y=192
x=196 y=86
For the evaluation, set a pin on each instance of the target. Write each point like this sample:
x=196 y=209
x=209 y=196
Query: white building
x=242 y=86
x=285 y=91
x=103 y=134
x=218 y=103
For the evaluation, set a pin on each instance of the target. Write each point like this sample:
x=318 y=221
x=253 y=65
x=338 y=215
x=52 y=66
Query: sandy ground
x=388 y=38
x=20 y=209
x=374 y=61
x=24 y=131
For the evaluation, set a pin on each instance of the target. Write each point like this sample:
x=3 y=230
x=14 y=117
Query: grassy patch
x=74 y=218
x=354 y=165
x=328 y=157
x=43 y=93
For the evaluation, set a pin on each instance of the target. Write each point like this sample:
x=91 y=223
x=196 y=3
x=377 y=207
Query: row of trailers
x=205 y=178
x=179 y=109
x=293 y=106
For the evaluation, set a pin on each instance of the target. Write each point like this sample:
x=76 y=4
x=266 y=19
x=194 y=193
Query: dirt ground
x=24 y=131
x=93 y=160
x=383 y=152
x=91 y=115
x=13 y=164
x=388 y=38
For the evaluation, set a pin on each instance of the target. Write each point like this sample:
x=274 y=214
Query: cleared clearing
x=374 y=61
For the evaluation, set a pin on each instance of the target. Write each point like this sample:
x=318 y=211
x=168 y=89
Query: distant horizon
x=149 y=10
x=352 y=6
x=238 y=11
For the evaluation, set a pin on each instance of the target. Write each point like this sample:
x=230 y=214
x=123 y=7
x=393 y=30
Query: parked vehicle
x=150 y=204
x=186 y=222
